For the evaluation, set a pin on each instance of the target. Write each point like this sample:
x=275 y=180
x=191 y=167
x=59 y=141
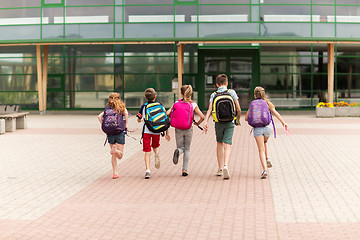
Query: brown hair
x=116 y=103
x=186 y=91
x=221 y=79
x=259 y=92
x=150 y=94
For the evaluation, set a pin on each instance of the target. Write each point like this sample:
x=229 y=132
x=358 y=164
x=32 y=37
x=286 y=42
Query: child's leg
x=187 y=142
x=113 y=159
x=220 y=154
x=266 y=148
x=261 y=147
x=180 y=140
x=227 y=153
x=120 y=148
x=147 y=160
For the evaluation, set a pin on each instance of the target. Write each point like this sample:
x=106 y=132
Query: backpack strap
x=273 y=124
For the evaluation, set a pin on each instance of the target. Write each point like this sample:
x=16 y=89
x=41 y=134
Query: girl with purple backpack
x=182 y=118
x=114 y=121
x=260 y=118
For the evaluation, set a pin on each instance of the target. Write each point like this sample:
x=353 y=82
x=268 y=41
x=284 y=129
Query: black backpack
x=223 y=109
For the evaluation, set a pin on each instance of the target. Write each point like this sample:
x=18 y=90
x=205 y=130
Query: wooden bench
x=13 y=121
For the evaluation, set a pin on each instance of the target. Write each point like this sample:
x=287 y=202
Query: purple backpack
x=259 y=113
x=113 y=122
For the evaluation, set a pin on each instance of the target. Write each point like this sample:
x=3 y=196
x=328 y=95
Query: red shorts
x=148 y=143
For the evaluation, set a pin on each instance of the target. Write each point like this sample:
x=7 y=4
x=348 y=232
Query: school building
x=70 y=54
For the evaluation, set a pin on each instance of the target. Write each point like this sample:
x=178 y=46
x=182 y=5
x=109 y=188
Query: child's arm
x=278 y=116
x=139 y=115
x=100 y=117
x=246 y=115
x=208 y=113
x=202 y=117
x=167 y=136
x=168 y=111
x=238 y=108
x=126 y=118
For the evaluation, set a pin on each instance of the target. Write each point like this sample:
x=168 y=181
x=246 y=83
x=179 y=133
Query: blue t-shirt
x=224 y=89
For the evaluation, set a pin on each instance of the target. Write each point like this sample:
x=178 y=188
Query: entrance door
x=55 y=91
x=241 y=66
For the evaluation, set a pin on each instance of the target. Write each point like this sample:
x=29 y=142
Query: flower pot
x=354 y=111
x=325 y=112
x=342 y=111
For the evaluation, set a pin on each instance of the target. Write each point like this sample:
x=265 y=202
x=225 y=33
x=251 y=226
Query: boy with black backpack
x=156 y=122
x=225 y=108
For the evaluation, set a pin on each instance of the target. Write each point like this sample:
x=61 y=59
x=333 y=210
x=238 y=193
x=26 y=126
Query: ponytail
x=187 y=91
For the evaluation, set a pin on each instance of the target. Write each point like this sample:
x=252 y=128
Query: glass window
x=19 y=3
x=149 y=50
x=20 y=32
x=20 y=16
x=255 y=16
x=322 y=13
x=347 y=82
x=286 y=1
x=52 y=1
x=149 y=14
x=89 y=15
x=90 y=65
x=26 y=99
x=147 y=2
x=155 y=30
x=118 y=14
x=224 y=1
x=52 y=31
x=87 y=2
x=286 y=29
x=149 y=64
x=52 y=15
x=347 y=31
x=17 y=82
x=90 y=82
x=185 y=30
x=139 y=82
x=118 y=30
x=322 y=1
x=89 y=50
x=348 y=65
x=228 y=29
x=185 y=12
x=89 y=31
x=323 y=30
x=55 y=65
x=294 y=13
x=228 y=13
x=348 y=2
x=215 y=64
x=347 y=14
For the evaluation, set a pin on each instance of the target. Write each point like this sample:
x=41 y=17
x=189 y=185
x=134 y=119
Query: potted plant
x=342 y=109
x=354 y=110
x=325 y=110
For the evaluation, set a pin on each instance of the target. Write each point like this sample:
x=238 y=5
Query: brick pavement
x=55 y=183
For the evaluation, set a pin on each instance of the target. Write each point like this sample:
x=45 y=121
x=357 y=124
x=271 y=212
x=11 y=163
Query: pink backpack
x=182 y=115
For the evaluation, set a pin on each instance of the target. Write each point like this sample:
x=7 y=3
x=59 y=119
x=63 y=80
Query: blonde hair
x=259 y=92
x=186 y=91
x=116 y=103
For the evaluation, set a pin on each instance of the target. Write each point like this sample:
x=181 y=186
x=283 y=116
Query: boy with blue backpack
x=114 y=123
x=224 y=108
x=156 y=122
x=259 y=117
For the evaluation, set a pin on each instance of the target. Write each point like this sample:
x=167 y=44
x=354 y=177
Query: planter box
x=354 y=111
x=325 y=112
x=342 y=111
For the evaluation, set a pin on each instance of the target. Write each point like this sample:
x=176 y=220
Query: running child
x=114 y=121
x=182 y=117
x=262 y=133
x=151 y=139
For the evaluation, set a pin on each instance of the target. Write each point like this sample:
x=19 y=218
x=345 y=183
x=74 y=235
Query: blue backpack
x=156 y=119
x=113 y=122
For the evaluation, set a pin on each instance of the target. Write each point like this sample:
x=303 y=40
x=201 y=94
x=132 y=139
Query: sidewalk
x=55 y=183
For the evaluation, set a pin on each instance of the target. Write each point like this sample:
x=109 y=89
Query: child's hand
x=167 y=137
x=237 y=121
x=206 y=128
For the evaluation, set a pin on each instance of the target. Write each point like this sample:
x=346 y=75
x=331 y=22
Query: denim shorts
x=262 y=131
x=119 y=138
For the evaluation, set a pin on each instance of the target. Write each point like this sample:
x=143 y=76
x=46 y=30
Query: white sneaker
x=226 y=174
x=264 y=174
x=268 y=163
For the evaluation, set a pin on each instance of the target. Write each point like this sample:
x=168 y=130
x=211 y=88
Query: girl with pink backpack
x=259 y=116
x=182 y=118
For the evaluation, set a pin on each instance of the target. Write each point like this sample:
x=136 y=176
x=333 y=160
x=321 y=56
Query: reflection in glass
x=240 y=65
x=286 y=29
x=154 y=30
x=89 y=31
x=215 y=64
x=323 y=30
x=240 y=82
x=232 y=30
